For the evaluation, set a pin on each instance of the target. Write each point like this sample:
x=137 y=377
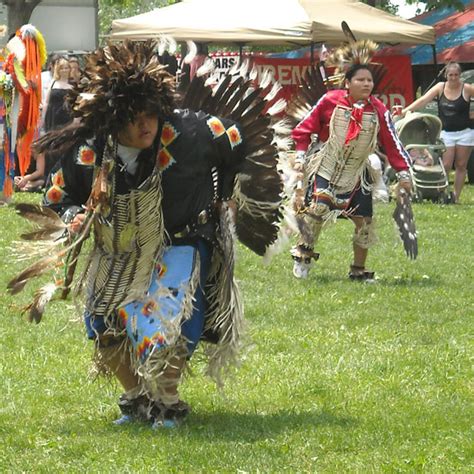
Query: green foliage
x=110 y=10
x=430 y=4
x=433 y=4
x=339 y=376
x=383 y=5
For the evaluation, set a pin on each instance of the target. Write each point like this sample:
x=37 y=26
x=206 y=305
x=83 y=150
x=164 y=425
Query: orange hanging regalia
x=20 y=90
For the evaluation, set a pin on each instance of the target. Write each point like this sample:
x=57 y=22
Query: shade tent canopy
x=366 y=22
x=271 y=22
x=211 y=21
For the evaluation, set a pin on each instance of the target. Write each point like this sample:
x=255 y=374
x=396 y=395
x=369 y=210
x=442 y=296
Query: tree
x=433 y=4
x=19 y=12
x=383 y=5
x=430 y=4
x=108 y=10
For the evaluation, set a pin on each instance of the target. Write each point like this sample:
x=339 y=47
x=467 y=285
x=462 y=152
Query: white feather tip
x=282 y=127
x=267 y=78
x=273 y=92
x=278 y=107
x=192 y=51
x=207 y=68
x=28 y=31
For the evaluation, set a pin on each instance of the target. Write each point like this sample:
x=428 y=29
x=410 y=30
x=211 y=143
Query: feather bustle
x=258 y=182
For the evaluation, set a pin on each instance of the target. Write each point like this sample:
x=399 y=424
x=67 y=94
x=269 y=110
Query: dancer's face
x=361 y=84
x=141 y=132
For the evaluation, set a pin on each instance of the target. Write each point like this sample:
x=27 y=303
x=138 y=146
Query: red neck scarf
x=355 y=120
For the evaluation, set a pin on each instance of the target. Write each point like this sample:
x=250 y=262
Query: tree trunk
x=19 y=13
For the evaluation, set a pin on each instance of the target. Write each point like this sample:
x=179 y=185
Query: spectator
x=56 y=110
x=453 y=105
x=76 y=73
x=47 y=75
x=34 y=181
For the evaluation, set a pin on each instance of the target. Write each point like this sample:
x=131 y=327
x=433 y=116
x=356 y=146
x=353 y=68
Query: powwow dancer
x=334 y=178
x=20 y=91
x=160 y=188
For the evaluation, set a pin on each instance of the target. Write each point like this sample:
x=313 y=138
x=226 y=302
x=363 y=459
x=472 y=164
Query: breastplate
x=343 y=165
x=127 y=244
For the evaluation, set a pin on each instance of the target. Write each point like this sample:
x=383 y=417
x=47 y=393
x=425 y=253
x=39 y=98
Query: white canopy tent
x=299 y=22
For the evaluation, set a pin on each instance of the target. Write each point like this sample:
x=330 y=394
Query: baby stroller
x=420 y=134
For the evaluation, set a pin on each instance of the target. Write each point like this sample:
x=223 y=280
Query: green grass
x=338 y=376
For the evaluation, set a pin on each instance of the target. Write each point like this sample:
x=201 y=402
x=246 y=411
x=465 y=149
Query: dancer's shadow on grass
x=418 y=281
x=225 y=425
x=249 y=427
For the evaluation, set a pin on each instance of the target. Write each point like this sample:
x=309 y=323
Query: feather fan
x=403 y=217
x=51 y=227
x=40 y=215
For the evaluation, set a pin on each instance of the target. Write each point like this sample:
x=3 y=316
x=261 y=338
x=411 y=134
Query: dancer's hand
x=298 y=200
x=404 y=180
x=77 y=223
x=300 y=160
x=298 y=167
x=405 y=185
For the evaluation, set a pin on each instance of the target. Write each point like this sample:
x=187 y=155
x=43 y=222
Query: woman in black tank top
x=458 y=134
x=454 y=114
x=57 y=112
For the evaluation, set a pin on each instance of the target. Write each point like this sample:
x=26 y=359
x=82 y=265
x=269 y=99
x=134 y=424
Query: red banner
x=397 y=83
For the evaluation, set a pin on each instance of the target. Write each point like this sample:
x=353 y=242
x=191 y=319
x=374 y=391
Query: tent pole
x=437 y=74
x=435 y=62
x=435 y=59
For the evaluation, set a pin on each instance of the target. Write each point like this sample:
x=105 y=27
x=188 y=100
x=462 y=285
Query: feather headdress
x=120 y=81
x=351 y=53
x=357 y=52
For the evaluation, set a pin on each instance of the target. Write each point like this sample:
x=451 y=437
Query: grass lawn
x=338 y=377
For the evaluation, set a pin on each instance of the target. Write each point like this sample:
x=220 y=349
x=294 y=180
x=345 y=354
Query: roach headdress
x=120 y=81
x=346 y=56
